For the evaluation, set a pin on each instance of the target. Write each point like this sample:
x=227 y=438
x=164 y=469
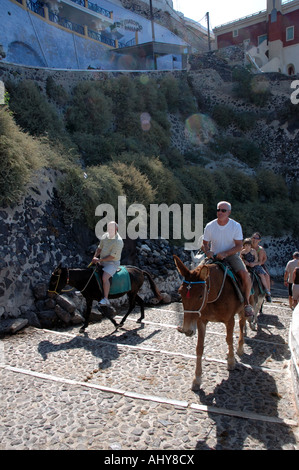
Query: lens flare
x=145 y=121
x=199 y=129
x=144 y=79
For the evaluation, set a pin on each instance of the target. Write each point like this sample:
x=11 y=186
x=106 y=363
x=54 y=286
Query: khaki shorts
x=236 y=263
x=110 y=268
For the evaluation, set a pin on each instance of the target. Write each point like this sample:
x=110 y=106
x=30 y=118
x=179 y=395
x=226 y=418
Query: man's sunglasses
x=222 y=210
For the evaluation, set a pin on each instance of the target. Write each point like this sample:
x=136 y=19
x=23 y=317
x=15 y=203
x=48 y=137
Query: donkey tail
x=153 y=285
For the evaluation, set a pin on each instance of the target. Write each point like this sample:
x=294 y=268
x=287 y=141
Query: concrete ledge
x=294 y=348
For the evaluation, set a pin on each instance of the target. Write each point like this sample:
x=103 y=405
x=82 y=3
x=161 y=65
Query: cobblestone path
x=131 y=389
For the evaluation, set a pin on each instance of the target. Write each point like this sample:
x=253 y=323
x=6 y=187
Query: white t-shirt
x=290 y=267
x=222 y=236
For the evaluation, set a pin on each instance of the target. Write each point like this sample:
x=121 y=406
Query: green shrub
x=225 y=116
x=271 y=186
x=20 y=156
x=252 y=88
x=71 y=193
x=56 y=92
x=187 y=103
x=90 y=110
x=102 y=186
x=245 y=150
x=170 y=89
x=94 y=149
x=243 y=187
x=32 y=111
x=166 y=185
x=135 y=185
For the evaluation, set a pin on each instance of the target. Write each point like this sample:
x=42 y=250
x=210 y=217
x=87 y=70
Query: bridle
x=190 y=283
x=57 y=283
x=67 y=282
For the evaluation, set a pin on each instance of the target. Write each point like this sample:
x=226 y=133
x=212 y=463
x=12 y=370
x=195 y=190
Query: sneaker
x=104 y=301
x=268 y=297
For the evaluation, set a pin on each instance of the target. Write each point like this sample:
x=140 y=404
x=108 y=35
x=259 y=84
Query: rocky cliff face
x=34 y=239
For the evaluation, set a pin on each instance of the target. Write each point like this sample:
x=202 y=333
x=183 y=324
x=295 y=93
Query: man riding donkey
x=223 y=238
x=109 y=250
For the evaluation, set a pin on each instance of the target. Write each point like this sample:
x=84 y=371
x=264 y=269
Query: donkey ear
x=204 y=273
x=58 y=269
x=182 y=269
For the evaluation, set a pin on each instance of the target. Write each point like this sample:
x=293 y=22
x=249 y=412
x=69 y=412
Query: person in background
x=288 y=275
x=262 y=256
x=295 y=287
x=250 y=258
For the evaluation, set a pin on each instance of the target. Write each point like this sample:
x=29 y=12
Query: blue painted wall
x=29 y=40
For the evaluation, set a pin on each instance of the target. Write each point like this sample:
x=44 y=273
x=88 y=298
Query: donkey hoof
x=231 y=364
x=196 y=385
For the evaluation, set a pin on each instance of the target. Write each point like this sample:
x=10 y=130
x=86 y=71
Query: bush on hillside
x=56 y=92
x=225 y=116
x=32 y=111
x=271 y=186
x=167 y=186
x=249 y=87
x=241 y=148
x=90 y=110
x=20 y=156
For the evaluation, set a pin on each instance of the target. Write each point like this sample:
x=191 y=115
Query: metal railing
x=38 y=8
x=78 y=28
x=100 y=37
x=98 y=9
x=94 y=7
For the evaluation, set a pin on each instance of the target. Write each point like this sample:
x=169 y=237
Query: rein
x=57 y=283
x=67 y=282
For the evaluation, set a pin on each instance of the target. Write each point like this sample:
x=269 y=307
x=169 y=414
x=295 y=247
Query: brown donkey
x=208 y=295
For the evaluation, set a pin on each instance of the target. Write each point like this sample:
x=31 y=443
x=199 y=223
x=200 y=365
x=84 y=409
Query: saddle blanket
x=232 y=275
x=121 y=281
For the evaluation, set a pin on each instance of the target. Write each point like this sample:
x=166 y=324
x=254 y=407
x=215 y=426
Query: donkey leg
x=87 y=315
x=242 y=323
x=229 y=339
x=131 y=306
x=201 y=327
x=140 y=302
